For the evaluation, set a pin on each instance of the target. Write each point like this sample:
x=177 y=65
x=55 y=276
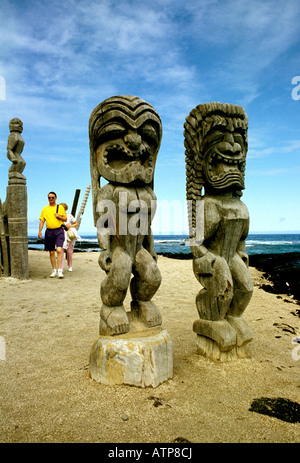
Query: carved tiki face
x=216 y=146
x=15 y=125
x=125 y=135
x=224 y=149
x=224 y=159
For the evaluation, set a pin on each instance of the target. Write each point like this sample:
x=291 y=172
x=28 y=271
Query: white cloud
x=245 y=38
x=273 y=171
x=59 y=55
x=131 y=27
x=60 y=59
x=268 y=172
x=260 y=153
x=292 y=147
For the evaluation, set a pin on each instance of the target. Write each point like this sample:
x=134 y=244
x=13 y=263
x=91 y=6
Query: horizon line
x=256 y=232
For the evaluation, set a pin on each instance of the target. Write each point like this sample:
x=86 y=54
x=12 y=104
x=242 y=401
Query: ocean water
x=177 y=244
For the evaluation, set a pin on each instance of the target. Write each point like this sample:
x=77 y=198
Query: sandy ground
x=46 y=394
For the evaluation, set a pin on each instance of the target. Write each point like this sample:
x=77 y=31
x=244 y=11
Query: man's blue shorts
x=54 y=237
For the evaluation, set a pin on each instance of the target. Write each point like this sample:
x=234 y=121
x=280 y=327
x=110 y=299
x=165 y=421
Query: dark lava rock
x=177 y=255
x=283 y=409
x=181 y=440
x=282 y=269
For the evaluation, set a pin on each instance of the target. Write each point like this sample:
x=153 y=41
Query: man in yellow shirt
x=54 y=215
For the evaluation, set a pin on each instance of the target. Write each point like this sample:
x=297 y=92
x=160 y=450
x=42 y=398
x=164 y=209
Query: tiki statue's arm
x=105 y=215
x=11 y=143
x=241 y=249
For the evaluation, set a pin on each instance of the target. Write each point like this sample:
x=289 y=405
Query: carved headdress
x=200 y=122
x=114 y=118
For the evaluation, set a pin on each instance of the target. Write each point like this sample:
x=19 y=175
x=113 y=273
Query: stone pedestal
x=223 y=340
x=142 y=359
x=210 y=349
x=17 y=226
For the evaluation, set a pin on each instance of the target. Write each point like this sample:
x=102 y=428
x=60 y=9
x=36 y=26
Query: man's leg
x=62 y=259
x=52 y=259
x=50 y=246
x=59 y=258
x=53 y=263
x=59 y=252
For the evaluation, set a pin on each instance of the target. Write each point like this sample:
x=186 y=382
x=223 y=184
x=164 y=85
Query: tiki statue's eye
x=149 y=133
x=111 y=131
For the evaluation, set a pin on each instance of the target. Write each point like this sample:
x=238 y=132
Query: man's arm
x=41 y=228
x=61 y=217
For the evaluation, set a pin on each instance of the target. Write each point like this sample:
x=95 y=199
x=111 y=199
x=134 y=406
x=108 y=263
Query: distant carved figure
x=216 y=146
x=14 y=211
x=125 y=134
x=15 y=145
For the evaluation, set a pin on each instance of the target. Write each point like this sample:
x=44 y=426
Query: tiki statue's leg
x=113 y=318
x=144 y=284
x=214 y=300
x=243 y=290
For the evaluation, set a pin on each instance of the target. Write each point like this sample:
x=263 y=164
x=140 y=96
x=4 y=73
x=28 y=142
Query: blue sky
x=60 y=59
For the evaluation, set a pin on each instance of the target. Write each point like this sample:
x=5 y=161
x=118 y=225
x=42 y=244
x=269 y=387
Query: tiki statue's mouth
x=225 y=170
x=120 y=164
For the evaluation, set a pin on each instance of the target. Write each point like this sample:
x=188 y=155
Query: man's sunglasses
x=51 y=197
